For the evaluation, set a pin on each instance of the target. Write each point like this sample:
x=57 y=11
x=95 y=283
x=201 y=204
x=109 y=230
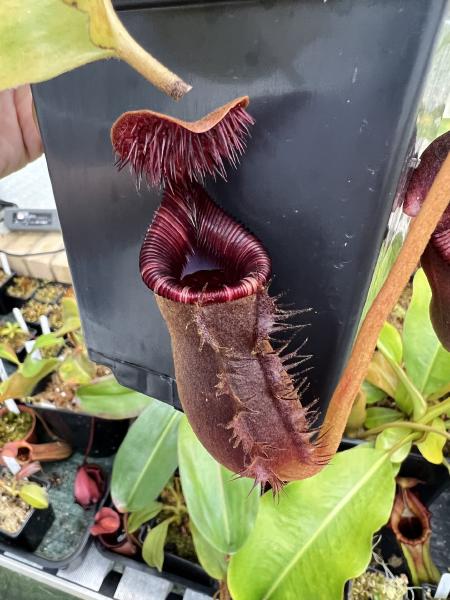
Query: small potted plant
x=49 y=293
x=11 y=333
x=55 y=318
x=25 y=513
x=5 y=279
x=33 y=309
x=21 y=290
x=375 y=585
x=15 y=427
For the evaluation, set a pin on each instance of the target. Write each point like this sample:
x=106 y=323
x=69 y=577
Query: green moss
x=14 y=427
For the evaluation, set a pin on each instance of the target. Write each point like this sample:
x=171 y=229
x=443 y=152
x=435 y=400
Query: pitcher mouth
x=194 y=252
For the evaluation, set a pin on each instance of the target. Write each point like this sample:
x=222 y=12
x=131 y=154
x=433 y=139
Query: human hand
x=20 y=140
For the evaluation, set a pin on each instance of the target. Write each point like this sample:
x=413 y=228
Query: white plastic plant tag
x=43 y=320
x=3 y=373
x=443 y=589
x=11 y=464
x=12 y=406
x=36 y=354
x=5 y=263
x=19 y=318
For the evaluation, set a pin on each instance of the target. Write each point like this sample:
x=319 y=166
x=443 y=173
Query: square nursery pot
x=3 y=299
x=21 y=351
x=54 y=301
x=12 y=301
x=76 y=526
x=74 y=428
x=334 y=89
x=175 y=569
x=36 y=525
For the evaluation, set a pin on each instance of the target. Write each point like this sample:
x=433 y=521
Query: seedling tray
x=176 y=569
x=66 y=539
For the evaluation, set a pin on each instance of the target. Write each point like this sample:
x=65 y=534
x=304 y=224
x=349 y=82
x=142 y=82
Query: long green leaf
x=7 y=352
x=146 y=458
x=427 y=362
x=153 y=547
x=138 y=518
x=319 y=534
x=389 y=438
x=378 y=415
x=38 y=368
x=213 y=562
x=108 y=399
x=419 y=405
x=222 y=510
x=48 y=340
x=35 y=495
x=432 y=446
x=42 y=38
x=373 y=394
x=391 y=342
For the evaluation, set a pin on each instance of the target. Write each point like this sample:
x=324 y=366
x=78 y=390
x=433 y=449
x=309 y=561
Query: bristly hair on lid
x=164 y=150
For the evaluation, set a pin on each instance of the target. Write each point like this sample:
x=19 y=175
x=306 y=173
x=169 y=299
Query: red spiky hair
x=163 y=149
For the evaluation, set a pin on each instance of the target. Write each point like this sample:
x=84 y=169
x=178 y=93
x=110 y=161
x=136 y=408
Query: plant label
x=11 y=464
x=5 y=264
x=12 y=406
x=19 y=318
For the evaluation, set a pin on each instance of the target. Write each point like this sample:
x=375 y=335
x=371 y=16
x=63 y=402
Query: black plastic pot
x=75 y=429
x=72 y=555
x=176 y=569
x=334 y=89
x=54 y=302
x=3 y=300
x=15 y=302
x=173 y=565
x=32 y=531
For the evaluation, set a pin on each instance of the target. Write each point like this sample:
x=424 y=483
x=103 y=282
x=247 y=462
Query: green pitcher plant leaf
x=386 y=258
x=138 y=518
x=108 y=399
x=373 y=393
x=213 y=562
x=35 y=495
x=389 y=438
x=7 y=352
x=70 y=317
x=381 y=375
x=33 y=367
x=432 y=446
x=153 y=547
x=48 y=340
x=222 y=508
x=23 y=381
x=391 y=342
x=77 y=368
x=40 y=39
x=146 y=458
x=426 y=361
x=319 y=534
x=417 y=401
x=379 y=415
